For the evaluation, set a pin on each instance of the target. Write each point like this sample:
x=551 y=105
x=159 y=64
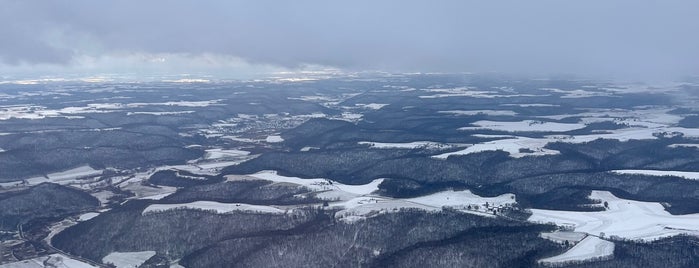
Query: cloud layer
x=608 y=38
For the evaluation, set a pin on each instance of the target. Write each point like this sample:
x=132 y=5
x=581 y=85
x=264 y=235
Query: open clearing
x=682 y=174
x=590 y=248
x=213 y=206
x=128 y=259
x=50 y=261
x=627 y=219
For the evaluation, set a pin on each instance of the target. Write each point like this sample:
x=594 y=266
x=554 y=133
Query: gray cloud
x=624 y=38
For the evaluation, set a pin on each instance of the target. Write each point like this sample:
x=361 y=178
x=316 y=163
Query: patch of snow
x=562 y=236
x=160 y=113
x=687 y=145
x=221 y=153
x=373 y=106
x=627 y=219
x=516 y=147
x=682 y=174
x=128 y=259
x=76 y=173
x=368 y=206
x=215 y=206
x=409 y=145
x=56 y=260
x=531 y=105
x=524 y=126
x=480 y=112
x=88 y=216
x=274 y=139
x=590 y=248
x=577 y=93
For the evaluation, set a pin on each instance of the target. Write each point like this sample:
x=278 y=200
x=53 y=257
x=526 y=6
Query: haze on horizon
x=627 y=39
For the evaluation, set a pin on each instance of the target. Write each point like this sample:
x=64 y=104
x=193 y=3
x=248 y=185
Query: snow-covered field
x=562 y=236
x=516 y=147
x=221 y=153
x=590 y=248
x=274 y=139
x=627 y=219
x=71 y=176
x=410 y=145
x=524 y=126
x=214 y=206
x=88 y=216
x=373 y=106
x=687 y=145
x=56 y=260
x=323 y=188
x=479 y=112
x=682 y=174
x=367 y=206
x=128 y=259
x=358 y=201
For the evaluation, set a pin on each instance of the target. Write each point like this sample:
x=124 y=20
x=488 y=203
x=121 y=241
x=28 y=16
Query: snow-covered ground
x=215 y=206
x=682 y=174
x=221 y=153
x=71 y=176
x=373 y=106
x=274 y=139
x=88 y=216
x=76 y=173
x=410 y=145
x=516 y=147
x=524 y=126
x=479 y=112
x=323 y=188
x=128 y=259
x=627 y=219
x=590 y=248
x=687 y=145
x=358 y=201
x=56 y=260
x=367 y=206
x=562 y=236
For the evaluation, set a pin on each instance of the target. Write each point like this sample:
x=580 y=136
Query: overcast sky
x=633 y=39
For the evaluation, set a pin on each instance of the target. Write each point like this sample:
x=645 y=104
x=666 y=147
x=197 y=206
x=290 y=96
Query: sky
x=628 y=39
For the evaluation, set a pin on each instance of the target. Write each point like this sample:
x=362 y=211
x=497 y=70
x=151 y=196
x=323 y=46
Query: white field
x=274 y=139
x=682 y=174
x=215 y=206
x=358 y=201
x=88 y=216
x=323 y=188
x=56 y=260
x=221 y=153
x=510 y=145
x=524 y=126
x=627 y=219
x=76 y=173
x=531 y=105
x=373 y=106
x=577 y=93
x=589 y=248
x=128 y=259
x=687 y=145
x=71 y=176
x=368 y=206
x=561 y=237
x=40 y=112
x=644 y=124
x=479 y=112
x=409 y=145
